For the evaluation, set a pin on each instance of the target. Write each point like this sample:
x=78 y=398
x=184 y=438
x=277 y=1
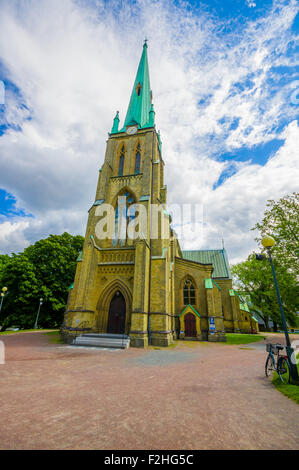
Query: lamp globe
x=268 y=241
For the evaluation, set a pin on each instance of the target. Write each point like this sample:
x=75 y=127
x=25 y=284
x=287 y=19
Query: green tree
x=23 y=290
x=44 y=270
x=254 y=280
x=4 y=259
x=281 y=221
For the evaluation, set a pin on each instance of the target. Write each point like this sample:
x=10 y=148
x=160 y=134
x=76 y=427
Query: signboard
x=212 y=325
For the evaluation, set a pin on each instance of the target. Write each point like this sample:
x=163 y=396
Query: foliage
x=281 y=221
x=44 y=270
x=4 y=260
x=254 y=280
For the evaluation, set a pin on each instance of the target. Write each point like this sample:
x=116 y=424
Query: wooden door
x=117 y=315
x=190 y=325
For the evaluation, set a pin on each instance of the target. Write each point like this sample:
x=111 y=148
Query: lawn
x=236 y=338
x=54 y=337
x=20 y=331
x=290 y=390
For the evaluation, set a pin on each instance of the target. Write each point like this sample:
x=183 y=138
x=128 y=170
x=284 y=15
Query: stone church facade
x=147 y=288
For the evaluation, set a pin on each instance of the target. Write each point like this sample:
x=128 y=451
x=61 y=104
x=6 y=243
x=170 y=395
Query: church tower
x=132 y=279
x=124 y=285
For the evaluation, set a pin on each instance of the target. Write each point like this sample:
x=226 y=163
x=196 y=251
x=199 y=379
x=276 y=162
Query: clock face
x=131 y=130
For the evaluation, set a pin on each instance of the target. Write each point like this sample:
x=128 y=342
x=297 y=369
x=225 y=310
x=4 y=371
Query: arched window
x=122 y=218
x=137 y=160
x=138 y=89
x=189 y=293
x=121 y=162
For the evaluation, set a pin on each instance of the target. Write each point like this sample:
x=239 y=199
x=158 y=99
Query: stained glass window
x=189 y=293
x=121 y=162
x=122 y=218
x=137 y=161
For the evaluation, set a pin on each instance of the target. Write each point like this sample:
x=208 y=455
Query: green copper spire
x=141 y=98
x=152 y=113
x=115 y=124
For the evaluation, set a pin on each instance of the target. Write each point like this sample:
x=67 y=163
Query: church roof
x=218 y=258
x=140 y=104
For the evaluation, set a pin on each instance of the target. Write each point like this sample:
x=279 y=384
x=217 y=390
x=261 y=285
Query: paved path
x=199 y=396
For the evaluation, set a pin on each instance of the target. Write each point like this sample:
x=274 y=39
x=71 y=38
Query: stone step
x=102 y=341
x=104 y=335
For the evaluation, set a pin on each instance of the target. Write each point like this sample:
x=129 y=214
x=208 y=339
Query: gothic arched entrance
x=190 y=325
x=117 y=314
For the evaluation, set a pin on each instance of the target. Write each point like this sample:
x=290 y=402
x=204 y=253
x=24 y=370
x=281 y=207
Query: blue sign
x=212 y=325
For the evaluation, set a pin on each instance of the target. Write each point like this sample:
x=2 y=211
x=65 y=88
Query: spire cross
x=145 y=41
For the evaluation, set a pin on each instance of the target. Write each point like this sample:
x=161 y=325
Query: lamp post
x=4 y=290
x=40 y=304
x=268 y=242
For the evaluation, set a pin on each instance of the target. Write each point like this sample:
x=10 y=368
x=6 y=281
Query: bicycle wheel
x=269 y=367
x=283 y=369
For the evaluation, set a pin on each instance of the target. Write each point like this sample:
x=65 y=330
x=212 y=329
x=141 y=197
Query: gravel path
x=199 y=396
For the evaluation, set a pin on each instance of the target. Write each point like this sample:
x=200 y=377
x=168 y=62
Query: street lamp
x=268 y=242
x=40 y=304
x=4 y=290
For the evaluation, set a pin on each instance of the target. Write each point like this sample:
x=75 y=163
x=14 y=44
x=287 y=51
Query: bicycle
x=281 y=366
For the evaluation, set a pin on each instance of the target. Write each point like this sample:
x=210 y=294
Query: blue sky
x=224 y=76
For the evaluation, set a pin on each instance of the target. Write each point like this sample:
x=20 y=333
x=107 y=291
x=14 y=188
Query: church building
x=146 y=288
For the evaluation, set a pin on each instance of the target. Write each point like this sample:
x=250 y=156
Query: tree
x=281 y=221
x=44 y=270
x=254 y=280
x=4 y=259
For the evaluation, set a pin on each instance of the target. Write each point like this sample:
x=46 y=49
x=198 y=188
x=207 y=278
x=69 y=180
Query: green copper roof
x=140 y=110
x=215 y=283
x=208 y=284
x=218 y=258
x=244 y=306
x=194 y=310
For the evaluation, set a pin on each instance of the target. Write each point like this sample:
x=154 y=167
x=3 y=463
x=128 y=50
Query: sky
x=224 y=76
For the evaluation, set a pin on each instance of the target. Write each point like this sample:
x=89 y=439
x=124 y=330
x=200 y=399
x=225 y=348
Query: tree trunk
x=266 y=321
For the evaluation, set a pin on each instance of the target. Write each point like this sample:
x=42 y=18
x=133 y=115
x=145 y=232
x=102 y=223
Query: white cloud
x=12 y=235
x=75 y=63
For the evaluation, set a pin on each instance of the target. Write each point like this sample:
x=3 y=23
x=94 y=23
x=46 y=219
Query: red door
x=190 y=325
x=117 y=315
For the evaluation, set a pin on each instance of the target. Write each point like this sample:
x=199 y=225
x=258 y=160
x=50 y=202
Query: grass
x=236 y=338
x=289 y=390
x=231 y=338
x=20 y=331
x=54 y=337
